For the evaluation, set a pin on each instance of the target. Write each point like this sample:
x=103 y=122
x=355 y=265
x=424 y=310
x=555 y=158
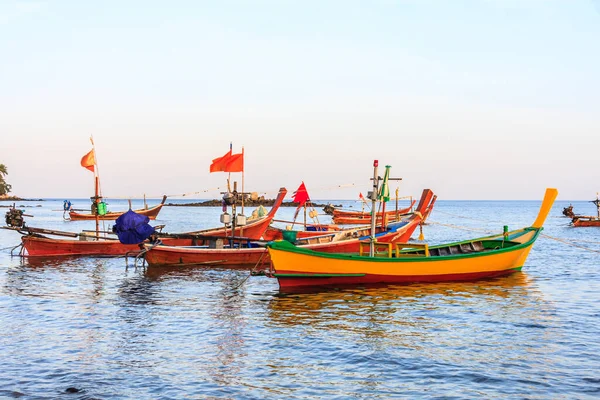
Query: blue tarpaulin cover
x=132 y=228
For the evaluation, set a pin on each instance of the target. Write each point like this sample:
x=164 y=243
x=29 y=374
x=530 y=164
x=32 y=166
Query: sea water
x=95 y=328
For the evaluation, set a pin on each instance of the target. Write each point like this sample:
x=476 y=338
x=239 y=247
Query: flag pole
x=374 y=208
x=243 y=193
x=96 y=188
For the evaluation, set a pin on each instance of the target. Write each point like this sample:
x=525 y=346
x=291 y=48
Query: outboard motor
x=14 y=218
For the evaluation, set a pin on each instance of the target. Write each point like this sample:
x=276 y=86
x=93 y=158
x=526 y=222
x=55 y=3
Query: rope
x=543 y=235
x=464 y=228
x=462 y=216
x=10 y=247
x=570 y=244
x=585 y=241
x=253 y=270
x=143 y=252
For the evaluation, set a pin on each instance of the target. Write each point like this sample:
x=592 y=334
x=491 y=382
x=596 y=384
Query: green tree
x=4 y=187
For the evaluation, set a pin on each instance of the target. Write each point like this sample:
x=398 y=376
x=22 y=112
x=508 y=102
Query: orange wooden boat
x=35 y=243
x=273 y=233
x=215 y=253
x=588 y=221
x=223 y=252
x=480 y=258
x=151 y=213
x=343 y=217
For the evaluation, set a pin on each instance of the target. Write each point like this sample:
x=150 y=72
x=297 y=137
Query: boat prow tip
x=547 y=202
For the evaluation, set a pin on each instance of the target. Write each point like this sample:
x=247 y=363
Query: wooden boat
x=151 y=213
x=219 y=252
x=272 y=233
x=253 y=230
x=479 y=258
x=429 y=209
x=223 y=252
x=342 y=217
x=587 y=221
x=36 y=242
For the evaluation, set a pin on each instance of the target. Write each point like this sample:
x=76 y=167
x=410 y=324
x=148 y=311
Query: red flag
x=360 y=196
x=219 y=164
x=89 y=160
x=235 y=163
x=300 y=196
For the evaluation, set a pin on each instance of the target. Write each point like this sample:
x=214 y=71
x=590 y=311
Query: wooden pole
x=373 y=207
x=97 y=200
x=243 y=194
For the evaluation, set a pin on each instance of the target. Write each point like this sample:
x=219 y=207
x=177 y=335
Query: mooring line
x=462 y=216
x=464 y=228
x=569 y=243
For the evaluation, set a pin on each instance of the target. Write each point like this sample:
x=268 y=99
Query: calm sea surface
x=91 y=328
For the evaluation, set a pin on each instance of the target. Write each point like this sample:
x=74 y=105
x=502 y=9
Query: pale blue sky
x=488 y=99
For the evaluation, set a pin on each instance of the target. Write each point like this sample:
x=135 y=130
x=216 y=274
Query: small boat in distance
x=588 y=221
x=151 y=213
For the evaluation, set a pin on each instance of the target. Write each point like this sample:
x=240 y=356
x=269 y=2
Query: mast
x=243 y=194
x=374 y=207
x=96 y=188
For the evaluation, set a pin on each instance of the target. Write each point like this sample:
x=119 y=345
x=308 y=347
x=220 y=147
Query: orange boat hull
x=586 y=221
x=343 y=217
x=47 y=247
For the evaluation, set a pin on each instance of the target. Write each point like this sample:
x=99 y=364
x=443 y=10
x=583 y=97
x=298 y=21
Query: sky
x=475 y=99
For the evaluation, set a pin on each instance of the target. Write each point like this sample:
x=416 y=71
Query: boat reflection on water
x=392 y=309
x=193 y=272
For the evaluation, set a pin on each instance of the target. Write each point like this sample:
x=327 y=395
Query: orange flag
x=219 y=164
x=235 y=163
x=89 y=160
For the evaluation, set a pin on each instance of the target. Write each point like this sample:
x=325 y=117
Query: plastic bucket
x=290 y=236
x=101 y=208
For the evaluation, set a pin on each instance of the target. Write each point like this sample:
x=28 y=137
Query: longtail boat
x=429 y=209
x=37 y=242
x=223 y=252
x=151 y=213
x=342 y=217
x=220 y=252
x=484 y=257
x=587 y=221
x=425 y=206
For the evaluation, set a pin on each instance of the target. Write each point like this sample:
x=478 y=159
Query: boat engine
x=14 y=218
x=329 y=209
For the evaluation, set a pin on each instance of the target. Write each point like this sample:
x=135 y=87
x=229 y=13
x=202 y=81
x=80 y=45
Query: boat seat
x=443 y=251
x=465 y=248
x=454 y=249
x=477 y=246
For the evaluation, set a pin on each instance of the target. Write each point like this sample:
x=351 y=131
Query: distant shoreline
x=15 y=198
x=247 y=203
